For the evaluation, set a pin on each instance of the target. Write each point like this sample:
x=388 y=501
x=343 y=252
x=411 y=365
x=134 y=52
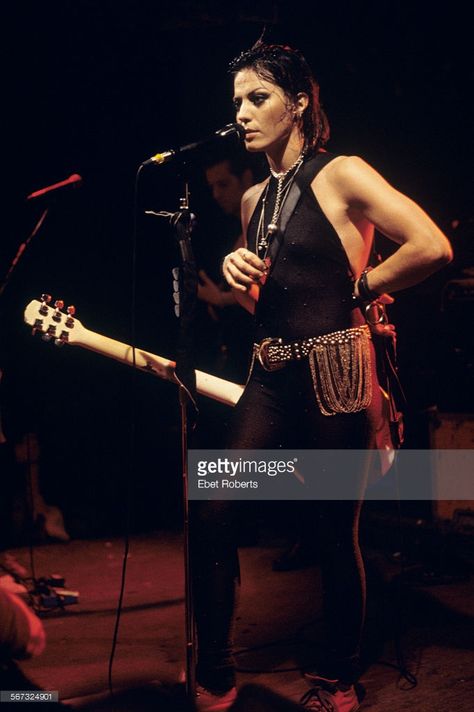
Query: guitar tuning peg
x=58 y=315
x=71 y=310
x=45 y=300
x=62 y=339
x=37 y=326
x=50 y=333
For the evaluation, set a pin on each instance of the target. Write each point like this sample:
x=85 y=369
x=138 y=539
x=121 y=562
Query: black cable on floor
x=30 y=508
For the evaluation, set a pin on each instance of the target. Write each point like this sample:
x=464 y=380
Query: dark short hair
x=288 y=69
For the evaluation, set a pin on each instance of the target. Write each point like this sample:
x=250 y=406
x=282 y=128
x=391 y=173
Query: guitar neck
x=207 y=385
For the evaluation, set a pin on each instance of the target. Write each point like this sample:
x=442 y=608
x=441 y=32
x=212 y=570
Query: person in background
x=224 y=332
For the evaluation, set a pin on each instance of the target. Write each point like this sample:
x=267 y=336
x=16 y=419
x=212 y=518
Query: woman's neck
x=283 y=157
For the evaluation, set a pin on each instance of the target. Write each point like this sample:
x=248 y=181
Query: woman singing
x=313 y=381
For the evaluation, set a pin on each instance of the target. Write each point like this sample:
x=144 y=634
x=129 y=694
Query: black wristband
x=365 y=293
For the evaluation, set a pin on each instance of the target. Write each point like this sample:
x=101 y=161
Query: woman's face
x=264 y=111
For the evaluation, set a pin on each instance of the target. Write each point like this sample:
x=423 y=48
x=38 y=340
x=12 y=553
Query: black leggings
x=279 y=410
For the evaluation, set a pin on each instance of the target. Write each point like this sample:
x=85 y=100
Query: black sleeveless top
x=309 y=289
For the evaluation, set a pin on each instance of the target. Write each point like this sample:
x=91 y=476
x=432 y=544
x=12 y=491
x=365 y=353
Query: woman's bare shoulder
x=254 y=192
x=250 y=200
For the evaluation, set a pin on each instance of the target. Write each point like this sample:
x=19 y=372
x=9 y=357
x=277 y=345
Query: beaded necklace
x=264 y=236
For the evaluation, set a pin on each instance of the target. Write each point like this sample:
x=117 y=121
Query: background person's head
x=228 y=180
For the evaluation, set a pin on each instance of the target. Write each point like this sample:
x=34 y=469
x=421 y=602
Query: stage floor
x=278 y=626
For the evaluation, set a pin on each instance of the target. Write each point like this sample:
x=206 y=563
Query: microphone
x=73 y=181
x=232 y=130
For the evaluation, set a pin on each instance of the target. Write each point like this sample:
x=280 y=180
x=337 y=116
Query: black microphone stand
x=187 y=398
x=22 y=249
x=185 y=290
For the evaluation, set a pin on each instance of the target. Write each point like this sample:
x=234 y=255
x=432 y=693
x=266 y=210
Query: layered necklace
x=284 y=181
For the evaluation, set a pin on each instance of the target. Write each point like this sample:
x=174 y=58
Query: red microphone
x=73 y=181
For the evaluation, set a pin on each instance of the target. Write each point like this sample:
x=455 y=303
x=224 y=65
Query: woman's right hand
x=243 y=268
x=377 y=320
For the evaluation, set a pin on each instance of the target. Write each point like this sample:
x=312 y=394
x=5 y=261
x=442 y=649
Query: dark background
x=95 y=87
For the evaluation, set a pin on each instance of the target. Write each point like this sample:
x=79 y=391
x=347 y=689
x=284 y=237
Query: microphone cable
x=132 y=434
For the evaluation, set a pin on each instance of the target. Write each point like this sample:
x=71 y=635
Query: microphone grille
x=232 y=129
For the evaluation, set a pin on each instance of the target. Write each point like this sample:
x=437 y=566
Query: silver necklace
x=264 y=236
x=283 y=174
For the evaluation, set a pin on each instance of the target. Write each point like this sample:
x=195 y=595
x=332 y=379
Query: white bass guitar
x=63 y=328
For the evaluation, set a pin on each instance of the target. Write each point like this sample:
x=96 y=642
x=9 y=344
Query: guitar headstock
x=52 y=322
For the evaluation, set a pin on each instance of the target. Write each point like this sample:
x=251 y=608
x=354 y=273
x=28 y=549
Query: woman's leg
x=215 y=575
x=337 y=531
x=344 y=589
x=257 y=423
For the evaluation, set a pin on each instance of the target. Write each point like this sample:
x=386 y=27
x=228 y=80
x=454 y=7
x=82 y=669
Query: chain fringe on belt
x=340 y=364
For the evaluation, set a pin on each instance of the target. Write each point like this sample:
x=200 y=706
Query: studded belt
x=274 y=353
